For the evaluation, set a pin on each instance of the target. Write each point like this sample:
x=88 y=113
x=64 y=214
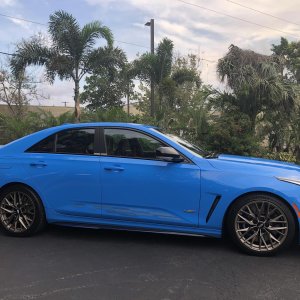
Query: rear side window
x=44 y=146
x=76 y=141
x=71 y=141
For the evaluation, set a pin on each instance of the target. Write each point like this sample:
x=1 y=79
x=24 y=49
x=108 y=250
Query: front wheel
x=21 y=211
x=261 y=225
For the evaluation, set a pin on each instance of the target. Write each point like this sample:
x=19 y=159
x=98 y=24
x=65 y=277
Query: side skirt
x=131 y=226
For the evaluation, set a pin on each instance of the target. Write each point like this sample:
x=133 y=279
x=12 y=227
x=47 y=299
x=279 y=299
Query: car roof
x=114 y=124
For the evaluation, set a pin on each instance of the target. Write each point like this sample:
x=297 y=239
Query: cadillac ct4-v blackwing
x=135 y=177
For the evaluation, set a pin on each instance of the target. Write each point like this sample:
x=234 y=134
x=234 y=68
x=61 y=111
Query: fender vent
x=213 y=207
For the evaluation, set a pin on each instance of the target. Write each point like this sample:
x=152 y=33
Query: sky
x=202 y=27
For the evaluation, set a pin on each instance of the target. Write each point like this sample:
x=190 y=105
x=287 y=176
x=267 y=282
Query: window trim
x=96 y=142
x=103 y=142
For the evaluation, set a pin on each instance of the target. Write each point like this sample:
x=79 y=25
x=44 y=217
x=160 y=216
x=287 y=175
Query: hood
x=252 y=164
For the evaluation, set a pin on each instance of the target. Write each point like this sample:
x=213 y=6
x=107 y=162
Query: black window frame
x=103 y=151
x=97 y=140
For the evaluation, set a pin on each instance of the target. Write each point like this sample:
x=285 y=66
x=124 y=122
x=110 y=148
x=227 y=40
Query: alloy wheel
x=17 y=212
x=261 y=225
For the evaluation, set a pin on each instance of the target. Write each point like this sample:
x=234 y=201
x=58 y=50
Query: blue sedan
x=135 y=177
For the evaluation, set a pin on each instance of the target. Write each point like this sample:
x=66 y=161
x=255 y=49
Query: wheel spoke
x=14 y=197
x=264 y=241
x=8 y=203
x=250 y=211
x=244 y=229
x=260 y=240
x=247 y=221
x=277 y=228
x=283 y=222
x=7 y=210
x=252 y=236
x=22 y=222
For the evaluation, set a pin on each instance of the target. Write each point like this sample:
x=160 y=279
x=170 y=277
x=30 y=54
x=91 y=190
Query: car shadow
x=150 y=239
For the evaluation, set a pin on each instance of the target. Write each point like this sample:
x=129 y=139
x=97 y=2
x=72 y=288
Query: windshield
x=184 y=143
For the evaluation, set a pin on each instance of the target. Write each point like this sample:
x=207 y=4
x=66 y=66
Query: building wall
x=55 y=110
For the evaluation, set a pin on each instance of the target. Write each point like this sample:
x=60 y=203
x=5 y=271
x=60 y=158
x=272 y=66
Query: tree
x=230 y=129
x=70 y=53
x=110 y=81
x=17 y=91
x=160 y=68
x=257 y=82
x=289 y=55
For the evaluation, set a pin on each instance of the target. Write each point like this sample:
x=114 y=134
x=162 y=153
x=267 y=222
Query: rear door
x=136 y=186
x=65 y=168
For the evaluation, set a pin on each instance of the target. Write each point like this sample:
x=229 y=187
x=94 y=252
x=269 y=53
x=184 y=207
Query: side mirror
x=168 y=154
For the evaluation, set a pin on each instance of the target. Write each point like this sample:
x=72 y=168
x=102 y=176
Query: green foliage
x=167 y=74
x=231 y=133
x=110 y=81
x=230 y=129
x=288 y=54
x=15 y=128
x=156 y=66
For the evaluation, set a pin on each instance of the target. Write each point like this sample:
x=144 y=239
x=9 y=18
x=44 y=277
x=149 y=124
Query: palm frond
x=65 y=32
x=31 y=52
x=92 y=31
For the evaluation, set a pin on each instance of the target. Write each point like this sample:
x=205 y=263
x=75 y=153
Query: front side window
x=71 y=141
x=129 y=143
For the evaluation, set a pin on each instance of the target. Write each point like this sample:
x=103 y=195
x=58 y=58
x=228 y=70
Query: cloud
x=23 y=24
x=198 y=30
x=4 y=3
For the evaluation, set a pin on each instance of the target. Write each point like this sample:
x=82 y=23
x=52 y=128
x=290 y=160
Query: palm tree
x=256 y=80
x=158 y=67
x=70 y=53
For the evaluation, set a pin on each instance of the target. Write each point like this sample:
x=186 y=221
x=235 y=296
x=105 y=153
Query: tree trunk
x=77 y=101
x=297 y=153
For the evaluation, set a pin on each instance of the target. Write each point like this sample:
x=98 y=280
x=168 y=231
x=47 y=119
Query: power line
x=21 y=19
x=264 y=13
x=132 y=44
x=5 y=53
x=208 y=60
x=237 y=18
x=34 y=22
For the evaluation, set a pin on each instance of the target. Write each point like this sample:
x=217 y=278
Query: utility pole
x=65 y=102
x=151 y=24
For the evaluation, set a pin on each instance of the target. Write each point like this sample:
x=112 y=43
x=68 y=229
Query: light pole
x=151 y=24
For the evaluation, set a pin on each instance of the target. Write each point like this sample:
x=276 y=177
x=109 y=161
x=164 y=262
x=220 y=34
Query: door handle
x=114 y=169
x=40 y=164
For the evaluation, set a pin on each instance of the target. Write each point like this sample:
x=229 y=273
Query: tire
x=261 y=225
x=21 y=211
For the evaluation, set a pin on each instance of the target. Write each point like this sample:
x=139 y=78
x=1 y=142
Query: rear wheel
x=21 y=211
x=261 y=224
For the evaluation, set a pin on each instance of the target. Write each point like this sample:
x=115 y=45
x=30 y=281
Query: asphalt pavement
x=68 y=263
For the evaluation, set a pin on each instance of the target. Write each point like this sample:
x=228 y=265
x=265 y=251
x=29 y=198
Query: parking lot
x=64 y=263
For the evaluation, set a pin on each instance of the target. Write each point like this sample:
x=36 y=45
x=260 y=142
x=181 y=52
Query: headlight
x=290 y=180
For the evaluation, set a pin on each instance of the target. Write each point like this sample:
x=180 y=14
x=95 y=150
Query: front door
x=138 y=187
